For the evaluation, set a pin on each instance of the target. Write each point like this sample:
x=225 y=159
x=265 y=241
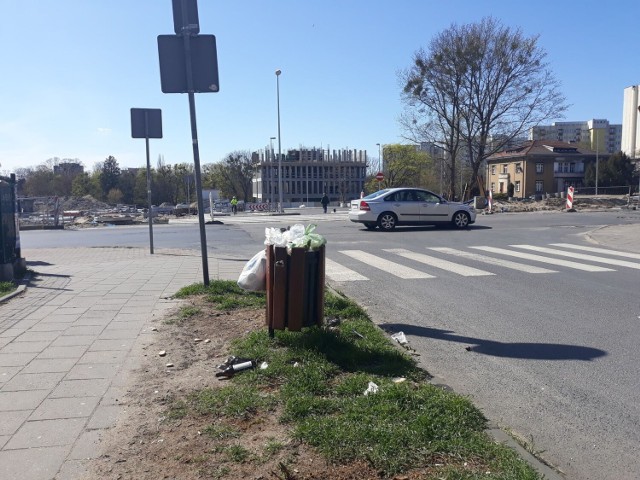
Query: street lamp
x=597 y=162
x=278 y=72
x=271 y=139
x=638 y=166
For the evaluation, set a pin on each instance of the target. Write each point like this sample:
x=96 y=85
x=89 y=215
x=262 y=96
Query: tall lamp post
x=638 y=167
x=597 y=162
x=278 y=72
x=271 y=139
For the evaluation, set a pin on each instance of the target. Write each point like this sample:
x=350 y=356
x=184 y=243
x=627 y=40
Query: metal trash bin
x=295 y=288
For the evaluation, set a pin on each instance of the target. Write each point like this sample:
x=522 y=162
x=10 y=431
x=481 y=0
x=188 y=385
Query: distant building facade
x=540 y=166
x=596 y=134
x=307 y=173
x=70 y=169
x=630 y=124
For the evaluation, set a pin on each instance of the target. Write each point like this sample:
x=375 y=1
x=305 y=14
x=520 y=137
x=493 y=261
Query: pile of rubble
x=560 y=204
x=83 y=204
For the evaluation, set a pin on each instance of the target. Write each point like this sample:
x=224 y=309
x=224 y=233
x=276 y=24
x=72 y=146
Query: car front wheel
x=387 y=221
x=460 y=220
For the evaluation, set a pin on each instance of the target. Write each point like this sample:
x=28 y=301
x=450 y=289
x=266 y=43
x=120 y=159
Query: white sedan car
x=391 y=207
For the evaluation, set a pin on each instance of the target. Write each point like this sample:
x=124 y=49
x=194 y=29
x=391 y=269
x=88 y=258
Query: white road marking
x=522 y=267
x=395 y=269
x=597 y=250
x=580 y=256
x=339 y=273
x=540 y=258
x=439 y=263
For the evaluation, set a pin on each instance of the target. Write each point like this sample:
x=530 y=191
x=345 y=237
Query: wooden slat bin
x=295 y=288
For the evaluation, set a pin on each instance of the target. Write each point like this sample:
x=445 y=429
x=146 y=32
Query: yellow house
x=537 y=167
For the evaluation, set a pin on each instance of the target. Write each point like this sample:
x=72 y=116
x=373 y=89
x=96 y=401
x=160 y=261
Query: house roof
x=541 y=148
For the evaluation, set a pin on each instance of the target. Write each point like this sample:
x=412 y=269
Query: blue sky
x=73 y=69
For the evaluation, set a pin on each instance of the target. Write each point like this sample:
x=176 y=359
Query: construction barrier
x=570 y=198
x=259 y=207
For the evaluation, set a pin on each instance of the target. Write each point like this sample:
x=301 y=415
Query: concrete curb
x=24 y=282
x=542 y=468
x=15 y=293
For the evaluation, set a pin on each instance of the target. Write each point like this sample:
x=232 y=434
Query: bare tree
x=477 y=88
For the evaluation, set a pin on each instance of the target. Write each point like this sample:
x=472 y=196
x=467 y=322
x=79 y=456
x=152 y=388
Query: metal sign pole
x=196 y=150
x=149 y=194
x=147 y=123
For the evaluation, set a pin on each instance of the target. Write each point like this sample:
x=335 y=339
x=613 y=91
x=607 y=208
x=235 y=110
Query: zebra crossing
x=432 y=262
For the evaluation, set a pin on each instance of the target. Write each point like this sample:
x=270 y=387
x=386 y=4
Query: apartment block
x=596 y=134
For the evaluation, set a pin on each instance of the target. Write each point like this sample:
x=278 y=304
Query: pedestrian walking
x=324 y=202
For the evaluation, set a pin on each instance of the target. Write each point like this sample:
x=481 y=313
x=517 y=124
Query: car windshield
x=376 y=194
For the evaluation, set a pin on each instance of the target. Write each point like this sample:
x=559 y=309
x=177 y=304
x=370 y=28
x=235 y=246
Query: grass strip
x=6 y=288
x=318 y=377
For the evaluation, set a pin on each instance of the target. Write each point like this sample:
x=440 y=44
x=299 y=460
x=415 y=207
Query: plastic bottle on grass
x=232 y=369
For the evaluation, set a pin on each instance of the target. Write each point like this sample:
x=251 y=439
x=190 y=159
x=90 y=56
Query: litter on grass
x=400 y=338
x=372 y=388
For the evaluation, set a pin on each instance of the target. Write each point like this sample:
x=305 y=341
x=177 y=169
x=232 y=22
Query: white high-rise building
x=630 y=123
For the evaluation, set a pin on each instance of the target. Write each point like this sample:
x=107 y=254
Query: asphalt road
x=548 y=352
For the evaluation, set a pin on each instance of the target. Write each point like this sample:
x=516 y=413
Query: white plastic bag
x=254 y=274
x=400 y=338
x=274 y=236
x=371 y=389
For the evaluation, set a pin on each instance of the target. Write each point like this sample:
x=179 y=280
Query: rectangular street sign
x=188 y=24
x=146 y=123
x=173 y=64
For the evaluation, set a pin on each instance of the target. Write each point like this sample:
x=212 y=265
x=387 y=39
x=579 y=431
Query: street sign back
x=204 y=64
x=146 y=123
x=185 y=24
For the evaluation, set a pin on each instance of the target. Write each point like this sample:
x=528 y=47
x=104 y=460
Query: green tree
x=615 y=171
x=140 y=196
x=185 y=182
x=476 y=88
x=81 y=185
x=209 y=178
x=165 y=188
x=114 y=196
x=405 y=166
x=234 y=175
x=38 y=182
x=109 y=175
x=126 y=185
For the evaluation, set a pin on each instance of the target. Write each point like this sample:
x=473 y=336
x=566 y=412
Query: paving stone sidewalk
x=66 y=347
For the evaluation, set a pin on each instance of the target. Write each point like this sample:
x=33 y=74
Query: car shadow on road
x=522 y=350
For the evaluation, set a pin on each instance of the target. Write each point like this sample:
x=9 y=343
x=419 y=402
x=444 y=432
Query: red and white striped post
x=569 y=198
